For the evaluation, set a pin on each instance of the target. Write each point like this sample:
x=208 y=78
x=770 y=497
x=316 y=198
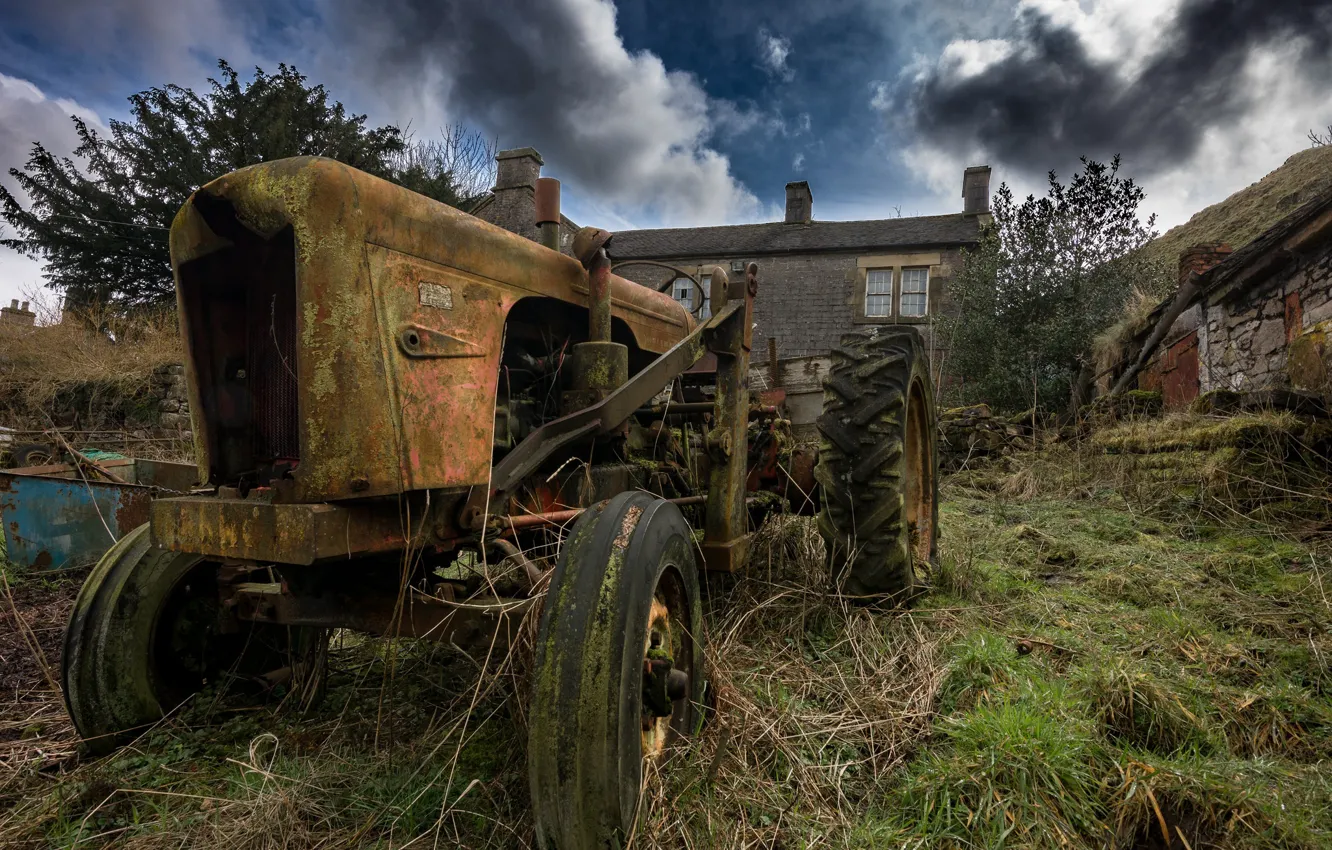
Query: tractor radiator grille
x=271 y=356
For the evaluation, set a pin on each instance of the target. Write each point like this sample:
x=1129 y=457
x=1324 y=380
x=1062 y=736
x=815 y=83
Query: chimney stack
x=513 y=206
x=517 y=168
x=1201 y=258
x=799 y=203
x=16 y=315
x=976 y=190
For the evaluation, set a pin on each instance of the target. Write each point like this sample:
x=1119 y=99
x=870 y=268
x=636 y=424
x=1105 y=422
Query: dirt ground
x=34 y=728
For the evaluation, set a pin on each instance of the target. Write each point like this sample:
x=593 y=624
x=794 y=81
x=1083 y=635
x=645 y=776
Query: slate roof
x=747 y=240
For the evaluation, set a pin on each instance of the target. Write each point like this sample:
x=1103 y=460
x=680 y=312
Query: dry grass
x=1095 y=667
x=818 y=703
x=90 y=361
x=35 y=732
x=1108 y=346
x=1246 y=214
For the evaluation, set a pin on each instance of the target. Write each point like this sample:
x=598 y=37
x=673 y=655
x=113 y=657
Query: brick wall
x=1200 y=258
x=1247 y=337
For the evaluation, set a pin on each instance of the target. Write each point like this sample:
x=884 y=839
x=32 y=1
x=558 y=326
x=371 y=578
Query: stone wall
x=807 y=301
x=156 y=407
x=972 y=435
x=1247 y=337
x=175 y=400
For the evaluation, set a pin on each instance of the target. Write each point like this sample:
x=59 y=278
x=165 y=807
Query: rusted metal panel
x=363 y=397
x=55 y=519
x=1179 y=372
x=1294 y=316
x=442 y=333
x=259 y=530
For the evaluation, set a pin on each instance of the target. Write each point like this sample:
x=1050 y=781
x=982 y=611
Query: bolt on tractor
x=410 y=422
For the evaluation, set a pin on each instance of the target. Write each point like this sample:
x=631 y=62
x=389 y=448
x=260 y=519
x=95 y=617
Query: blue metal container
x=54 y=517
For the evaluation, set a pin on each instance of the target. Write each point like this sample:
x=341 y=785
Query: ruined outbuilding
x=1252 y=319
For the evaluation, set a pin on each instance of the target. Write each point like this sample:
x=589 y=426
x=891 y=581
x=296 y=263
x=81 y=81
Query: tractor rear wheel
x=144 y=636
x=878 y=464
x=619 y=669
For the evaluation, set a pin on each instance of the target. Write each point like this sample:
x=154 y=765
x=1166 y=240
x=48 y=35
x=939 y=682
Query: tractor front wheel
x=619 y=669
x=878 y=464
x=146 y=634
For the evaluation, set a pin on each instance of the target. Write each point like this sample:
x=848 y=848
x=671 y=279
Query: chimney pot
x=799 y=203
x=976 y=190
x=1202 y=258
x=13 y=304
x=25 y=306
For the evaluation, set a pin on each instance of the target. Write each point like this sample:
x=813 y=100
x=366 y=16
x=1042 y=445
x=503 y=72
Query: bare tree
x=1321 y=139
x=456 y=168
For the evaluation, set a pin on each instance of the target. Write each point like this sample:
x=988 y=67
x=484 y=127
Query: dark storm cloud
x=1049 y=101
x=556 y=76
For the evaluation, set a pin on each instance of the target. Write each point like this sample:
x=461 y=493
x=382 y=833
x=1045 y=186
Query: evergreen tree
x=102 y=229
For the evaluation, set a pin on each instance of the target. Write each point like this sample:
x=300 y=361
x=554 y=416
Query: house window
x=683 y=291
x=915 y=292
x=879 y=292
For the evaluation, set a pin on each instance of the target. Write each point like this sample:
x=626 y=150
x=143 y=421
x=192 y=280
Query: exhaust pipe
x=548 y=211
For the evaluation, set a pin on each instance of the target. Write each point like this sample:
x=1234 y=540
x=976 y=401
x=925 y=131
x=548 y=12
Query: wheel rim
x=918 y=478
x=666 y=638
x=183 y=649
x=189 y=650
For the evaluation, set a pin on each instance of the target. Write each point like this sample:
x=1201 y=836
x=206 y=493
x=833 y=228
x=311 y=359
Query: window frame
x=870 y=293
x=688 y=287
x=923 y=291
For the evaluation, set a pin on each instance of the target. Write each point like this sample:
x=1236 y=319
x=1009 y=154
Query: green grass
x=1092 y=669
x=1189 y=662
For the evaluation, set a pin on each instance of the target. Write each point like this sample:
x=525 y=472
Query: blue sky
x=677 y=113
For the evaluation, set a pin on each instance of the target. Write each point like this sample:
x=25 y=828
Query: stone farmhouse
x=1256 y=319
x=819 y=279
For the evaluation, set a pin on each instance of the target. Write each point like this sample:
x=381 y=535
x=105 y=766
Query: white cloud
x=1231 y=157
x=970 y=58
x=1122 y=33
x=617 y=126
x=1099 y=77
x=774 y=51
x=178 y=41
x=27 y=115
x=727 y=120
x=881 y=96
x=798 y=164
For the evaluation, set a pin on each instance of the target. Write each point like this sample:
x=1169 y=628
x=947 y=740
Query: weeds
x=94 y=365
x=1112 y=656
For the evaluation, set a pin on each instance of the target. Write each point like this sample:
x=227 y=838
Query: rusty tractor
x=410 y=422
